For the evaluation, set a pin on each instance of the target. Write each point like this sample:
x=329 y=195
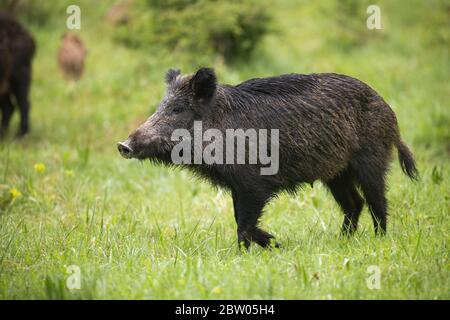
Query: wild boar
x=17 y=49
x=331 y=127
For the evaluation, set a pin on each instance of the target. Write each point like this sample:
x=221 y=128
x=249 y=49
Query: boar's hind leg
x=370 y=174
x=374 y=193
x=7 y=111
x=247 y=210
x=344 y=192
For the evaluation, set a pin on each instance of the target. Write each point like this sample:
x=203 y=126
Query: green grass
x=146 y=232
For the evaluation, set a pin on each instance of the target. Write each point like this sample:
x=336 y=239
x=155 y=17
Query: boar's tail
x=407 y=161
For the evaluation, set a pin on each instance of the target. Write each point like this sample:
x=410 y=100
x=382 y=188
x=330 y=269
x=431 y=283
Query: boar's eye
x=177 y=110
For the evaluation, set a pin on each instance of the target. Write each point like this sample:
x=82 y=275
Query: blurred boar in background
x=17 y=49
x=71 y=56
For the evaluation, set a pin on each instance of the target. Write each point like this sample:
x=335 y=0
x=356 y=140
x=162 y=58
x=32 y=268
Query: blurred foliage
x=436 y=175
x=348 y=22
x=231 y=29
x=437 y=124
x=34 y=12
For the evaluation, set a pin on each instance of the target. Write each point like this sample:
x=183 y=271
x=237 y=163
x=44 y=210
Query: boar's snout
x=149 y=141
x=125 y=150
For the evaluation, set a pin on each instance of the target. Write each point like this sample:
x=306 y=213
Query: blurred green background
x=140 y=231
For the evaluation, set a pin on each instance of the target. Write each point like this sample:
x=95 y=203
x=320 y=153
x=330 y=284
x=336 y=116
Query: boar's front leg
x=21 y=88
x=7 y=111
x=248 y=208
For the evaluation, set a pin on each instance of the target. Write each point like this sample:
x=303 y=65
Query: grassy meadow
x=138 y=231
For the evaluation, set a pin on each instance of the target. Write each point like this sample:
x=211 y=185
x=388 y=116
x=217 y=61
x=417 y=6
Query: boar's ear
x=171 y=75
x=204 y=83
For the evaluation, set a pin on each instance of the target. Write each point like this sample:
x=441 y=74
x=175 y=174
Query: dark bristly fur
x=16 y=53
x=332 y=128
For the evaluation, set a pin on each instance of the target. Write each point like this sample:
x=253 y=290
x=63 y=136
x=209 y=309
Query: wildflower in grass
x=216 y=290
x=39 y=167
x=15 y=193
x=69 y=173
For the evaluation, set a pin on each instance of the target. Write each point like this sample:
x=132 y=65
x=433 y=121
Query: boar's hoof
x=21 y=134
x=261 y=237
